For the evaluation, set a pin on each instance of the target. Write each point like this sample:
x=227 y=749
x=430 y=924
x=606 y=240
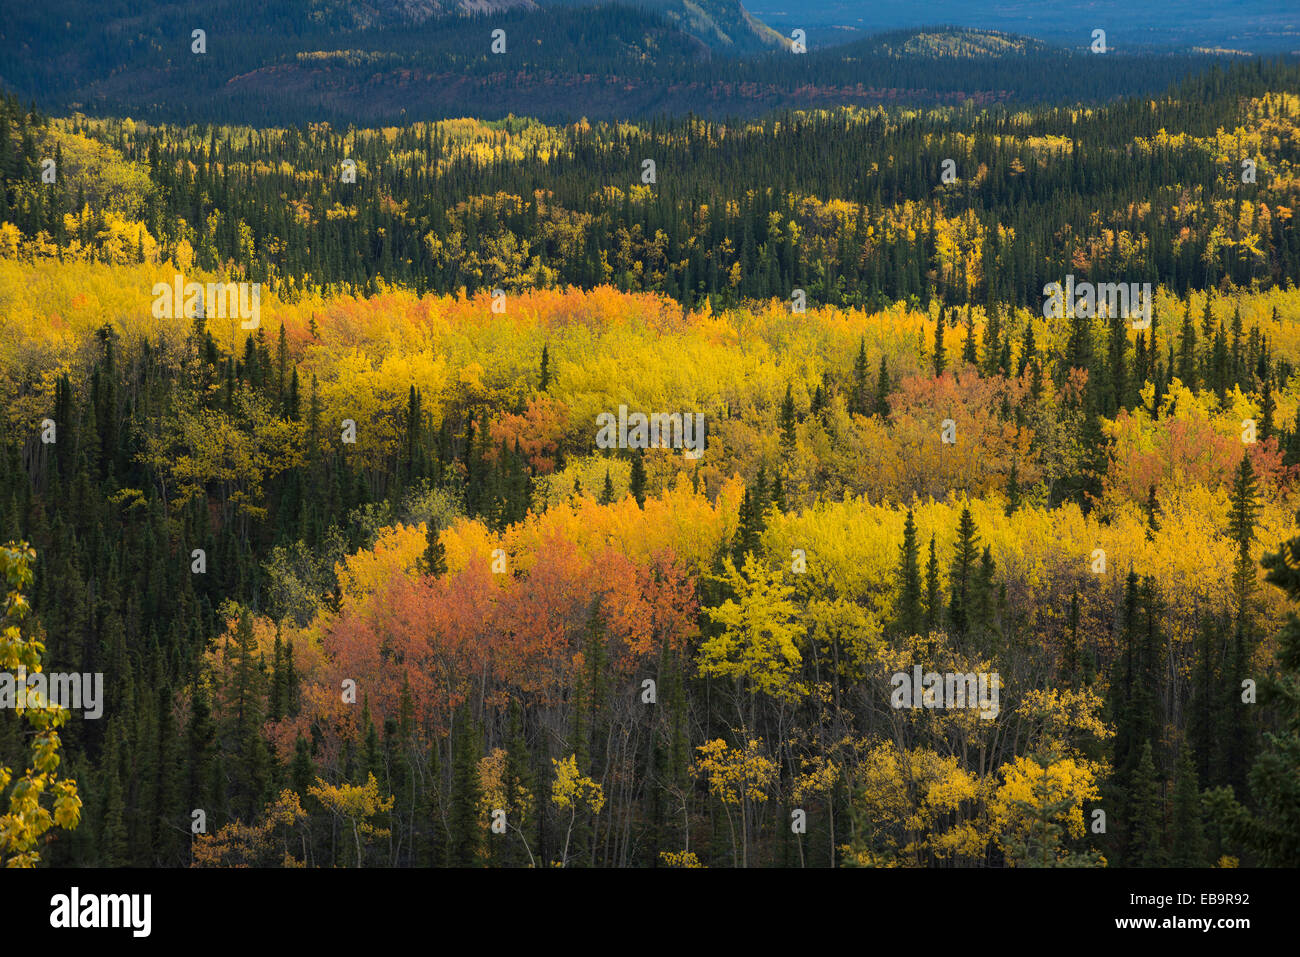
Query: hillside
x=724 y=25
x=386 y=467
x=393 y=63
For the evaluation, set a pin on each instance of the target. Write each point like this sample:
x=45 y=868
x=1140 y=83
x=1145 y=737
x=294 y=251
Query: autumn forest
x=367 y=587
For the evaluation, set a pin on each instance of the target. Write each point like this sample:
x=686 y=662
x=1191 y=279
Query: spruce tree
x=1237 y=740
x=638 y=478
x=1187 y=828
x=1274 y=830
x=1186 y=368
x=435 y=554
x=962 y=574
x=464 y=830
x=933 y=596
x=1146 y=815
x=1043 y=843
x=789 y=437
x=247 y=695
x=1013 y=490
x=910 y=619
x=882 y=390
x=940 y=356
x=969 y=352
x=1269 y=410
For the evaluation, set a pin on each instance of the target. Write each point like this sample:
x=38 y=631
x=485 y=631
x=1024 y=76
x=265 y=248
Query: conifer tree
x=962 y=575
x=1237 y=741
x=1013 y=490
x=247 y=695
x=1273 y=832
x=1186 y=368
x=911 y=616
x=1146 y=825
x=940 y=356
x=882 y=389
x=1268 y=407
x=1187 y=829
x=789 y=436
x=933 y=597
x=464 y=831
x=638 y=478
x=969 y=352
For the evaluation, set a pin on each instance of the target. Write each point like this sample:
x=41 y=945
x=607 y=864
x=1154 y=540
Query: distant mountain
x=274 y=62
x=365 y=14
x=1257 y=26
x=721 y=24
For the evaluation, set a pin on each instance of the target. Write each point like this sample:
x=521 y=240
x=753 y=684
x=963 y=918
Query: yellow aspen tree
x=358 y=805
x=571 y=791
x=27 y=819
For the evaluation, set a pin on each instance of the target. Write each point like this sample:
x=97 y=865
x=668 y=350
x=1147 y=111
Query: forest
x=287 y=62
x=365 y=591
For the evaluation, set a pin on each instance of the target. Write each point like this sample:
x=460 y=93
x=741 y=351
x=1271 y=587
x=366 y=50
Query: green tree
x=637 y=481
x=933 y=596
x=1187 y=826
x=1146 y=814
x=465 y=835
x=910 y=616
x=962 y=575
x=1273 y=832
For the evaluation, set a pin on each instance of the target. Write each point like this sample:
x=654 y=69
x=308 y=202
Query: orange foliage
x=538 y=432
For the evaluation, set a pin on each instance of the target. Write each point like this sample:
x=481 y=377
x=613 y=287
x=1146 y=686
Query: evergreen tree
x=1237 y=741
x=1146 y=827
x=1153 y=506
x=247 y=694
x=882 y=389
x=1187 y=351
x=933 y=597
x=638 y=477
x=911 y=615
x=1274 y=831
x=789 y=436
x=435 y=554
x=969 y=352
x=464 y=831
x=940 y=356
x=1187 y=828
x=1269 y=410
x=962 y=575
